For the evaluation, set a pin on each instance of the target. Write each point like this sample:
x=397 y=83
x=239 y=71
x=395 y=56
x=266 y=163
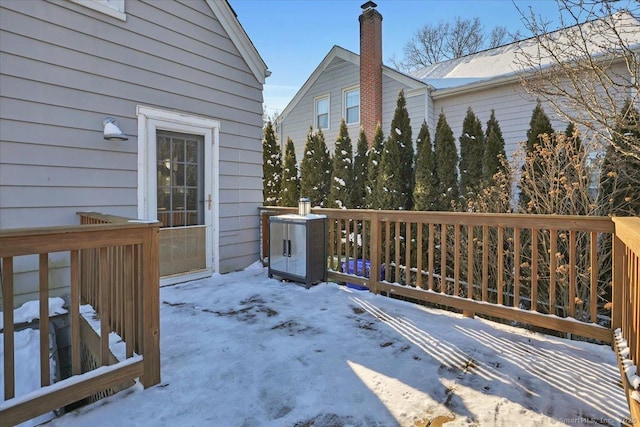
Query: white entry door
x=178 y=187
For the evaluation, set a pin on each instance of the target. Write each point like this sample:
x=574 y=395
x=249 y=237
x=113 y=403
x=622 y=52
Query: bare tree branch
x=590 y=68
x=497 y=37
x=435 y=43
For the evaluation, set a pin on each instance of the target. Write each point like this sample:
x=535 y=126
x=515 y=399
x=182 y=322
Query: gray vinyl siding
x=513 y=108
x=415 y=106
x=64 y=67
x=331 y=82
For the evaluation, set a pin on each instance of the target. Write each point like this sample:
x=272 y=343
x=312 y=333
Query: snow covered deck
x=244 y=350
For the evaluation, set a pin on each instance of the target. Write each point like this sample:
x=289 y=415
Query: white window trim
x=113 y=8
x=315 y=110
x=344 y=104
x=150 y=119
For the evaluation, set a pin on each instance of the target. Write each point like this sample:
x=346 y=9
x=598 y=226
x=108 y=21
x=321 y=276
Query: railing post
x=617 y=284
x=7 y=316
x=374 y=242
x=151 y=307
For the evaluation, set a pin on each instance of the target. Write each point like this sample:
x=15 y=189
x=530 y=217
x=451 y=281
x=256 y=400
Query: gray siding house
x=485 y=81
x=184 y=83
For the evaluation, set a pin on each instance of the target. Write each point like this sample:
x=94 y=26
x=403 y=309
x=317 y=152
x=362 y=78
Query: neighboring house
x=485 y=81
x=185 y=84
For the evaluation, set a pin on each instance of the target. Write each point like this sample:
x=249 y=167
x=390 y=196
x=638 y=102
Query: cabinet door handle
x=289 y=248
x=284 y=247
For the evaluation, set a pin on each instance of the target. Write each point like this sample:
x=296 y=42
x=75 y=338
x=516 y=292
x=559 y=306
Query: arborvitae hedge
x=373 y=163
x=471 y=155
x=446 y=160
x=493 y=150
x=271 y=167
x=538 y=126
x=401 y=133
x=341 y=184
x=390 y=187
x=360 y=171
x=315 y=169
x=423 y=190
x=290 y=178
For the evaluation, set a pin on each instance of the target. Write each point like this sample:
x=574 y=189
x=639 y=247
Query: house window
x=322 y=112
x=352 y=105
x=114 y=8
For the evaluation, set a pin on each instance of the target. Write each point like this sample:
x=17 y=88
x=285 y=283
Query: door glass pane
x=192 y=199
x=178 y=149
x=180 y=182
x=180 y=173
x=192 y=218
x=177 y=199
x=191 y=172
x=164 y=149
x=164 y=199
x=192 y=151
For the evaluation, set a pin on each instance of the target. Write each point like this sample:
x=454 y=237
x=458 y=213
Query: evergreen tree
x=360 y=171
x=401 y=133
x=620 y=174
x=290 y=179
x=471 y=155
x=423 y=190
x=494 y=150
x=315 y=169
x=538 y=126
x=446 y=163
x=390 y=187
x=341 y=184
x=373 y=163
x=271 y=167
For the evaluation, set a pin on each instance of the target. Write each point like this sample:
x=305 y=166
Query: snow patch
x=30 y=311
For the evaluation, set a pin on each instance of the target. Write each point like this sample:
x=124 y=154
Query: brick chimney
x=370 y=69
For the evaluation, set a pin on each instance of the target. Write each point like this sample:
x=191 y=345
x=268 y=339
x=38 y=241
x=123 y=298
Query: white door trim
x=152 y=118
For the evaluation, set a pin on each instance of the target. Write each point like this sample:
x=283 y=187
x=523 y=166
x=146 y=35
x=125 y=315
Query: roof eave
x=229 y=21
x=515 y=76
x=470 y=87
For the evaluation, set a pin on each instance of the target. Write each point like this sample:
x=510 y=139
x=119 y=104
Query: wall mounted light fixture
x=111 y=130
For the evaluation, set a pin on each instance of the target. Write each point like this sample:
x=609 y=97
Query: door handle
x=284 y=247
x=289 y=251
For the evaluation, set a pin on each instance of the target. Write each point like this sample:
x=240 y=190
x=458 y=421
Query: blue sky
x=293 y=36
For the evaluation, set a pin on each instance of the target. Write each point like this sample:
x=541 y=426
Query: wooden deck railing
x=546 y=271
x=113 y=267
x=626 y=306
x=494 y=264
